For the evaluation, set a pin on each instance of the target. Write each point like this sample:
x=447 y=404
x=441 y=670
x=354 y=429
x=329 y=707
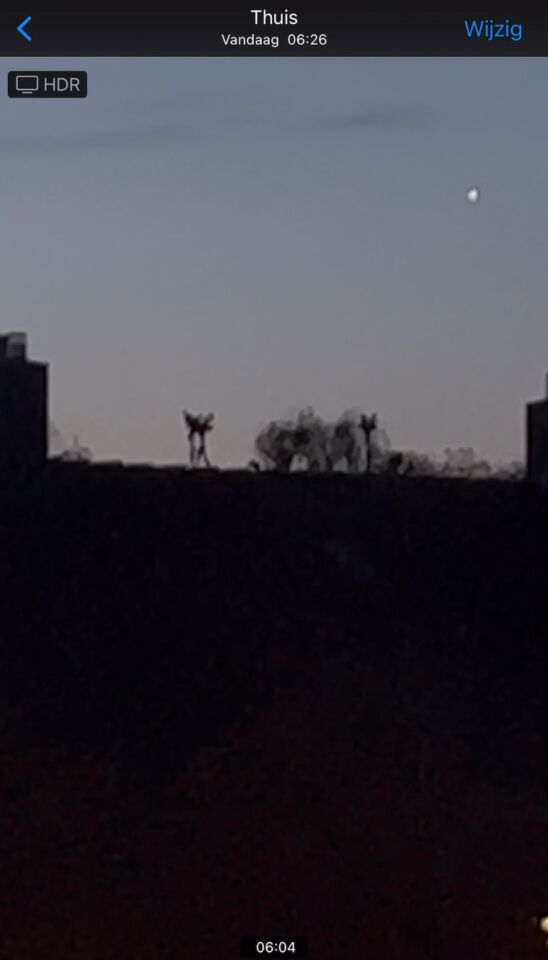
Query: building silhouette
x=536 y=428
x=23 y=405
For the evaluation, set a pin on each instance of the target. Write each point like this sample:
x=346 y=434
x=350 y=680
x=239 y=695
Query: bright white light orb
x=473 y=194
x=543 y=924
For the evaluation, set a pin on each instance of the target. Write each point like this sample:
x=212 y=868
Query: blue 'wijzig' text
x=489 y=30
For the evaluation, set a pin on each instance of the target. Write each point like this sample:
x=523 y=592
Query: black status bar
x=399 y=30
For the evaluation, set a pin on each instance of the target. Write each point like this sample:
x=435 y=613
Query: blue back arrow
x=21 y=29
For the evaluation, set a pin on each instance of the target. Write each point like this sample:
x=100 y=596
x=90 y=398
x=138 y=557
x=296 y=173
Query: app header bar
x=400 y=30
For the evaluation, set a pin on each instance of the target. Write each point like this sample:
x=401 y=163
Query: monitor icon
x=27 y=83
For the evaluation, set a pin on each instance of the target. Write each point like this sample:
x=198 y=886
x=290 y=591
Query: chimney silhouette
x=23 y=405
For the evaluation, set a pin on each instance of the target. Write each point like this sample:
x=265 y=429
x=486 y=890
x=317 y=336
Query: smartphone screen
x=273 y=459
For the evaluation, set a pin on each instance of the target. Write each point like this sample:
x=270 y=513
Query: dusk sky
x=252 y=236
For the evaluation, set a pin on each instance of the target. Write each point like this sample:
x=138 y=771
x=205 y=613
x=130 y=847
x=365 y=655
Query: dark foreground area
x=240 y=704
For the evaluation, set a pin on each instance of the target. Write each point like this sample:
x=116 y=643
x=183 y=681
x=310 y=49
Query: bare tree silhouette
x=77 y=453
x=321 y=445
x=356 y=441
x=198 y=425
x=282 y=442
x=61 y=449
x=345 y=442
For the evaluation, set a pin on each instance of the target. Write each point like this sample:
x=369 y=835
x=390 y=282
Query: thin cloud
x=98 y=140
x=387 y=116
x=173 y=100
x=384 y=118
